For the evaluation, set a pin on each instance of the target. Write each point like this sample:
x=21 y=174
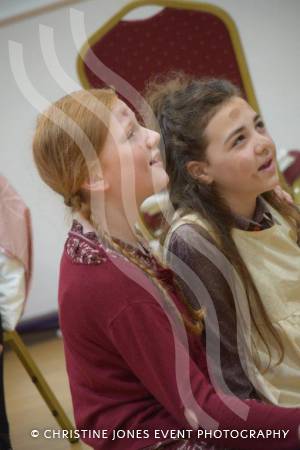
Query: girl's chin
x=270 y=187
x=156 y=189
x=272 y=182
x=275 y=181
x=159 y=184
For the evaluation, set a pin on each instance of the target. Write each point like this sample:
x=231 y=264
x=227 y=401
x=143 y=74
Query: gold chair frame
x=177 y=4
x=15 y=341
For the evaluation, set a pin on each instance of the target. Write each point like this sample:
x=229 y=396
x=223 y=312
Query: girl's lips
x=155 y=158
x=269 y=166
x=266 y=165
x=155 y=162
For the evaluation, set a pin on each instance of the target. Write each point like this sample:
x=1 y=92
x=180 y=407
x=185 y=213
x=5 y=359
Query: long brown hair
x=183 y=107
x=58 y=144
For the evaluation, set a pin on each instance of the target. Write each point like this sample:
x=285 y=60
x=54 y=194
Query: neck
x=241 y=206
x=114 y=222
x=121 y=227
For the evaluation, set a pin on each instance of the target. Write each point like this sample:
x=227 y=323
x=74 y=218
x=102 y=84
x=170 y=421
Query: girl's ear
x=199 y=170
x=95 y=181
x=96 y=184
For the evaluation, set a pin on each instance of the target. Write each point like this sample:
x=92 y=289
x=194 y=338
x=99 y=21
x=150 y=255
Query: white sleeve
x=12 y=291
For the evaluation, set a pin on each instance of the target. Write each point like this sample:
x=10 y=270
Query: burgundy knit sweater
x=127 y=364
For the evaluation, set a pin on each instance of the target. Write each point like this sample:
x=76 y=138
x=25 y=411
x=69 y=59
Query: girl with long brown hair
x=221 y=162
x=137 y=378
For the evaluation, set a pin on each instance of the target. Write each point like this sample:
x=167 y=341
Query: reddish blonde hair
x=60 y=139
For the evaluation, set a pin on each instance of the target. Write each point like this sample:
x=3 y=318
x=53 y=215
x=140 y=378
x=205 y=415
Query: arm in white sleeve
x=12 y=290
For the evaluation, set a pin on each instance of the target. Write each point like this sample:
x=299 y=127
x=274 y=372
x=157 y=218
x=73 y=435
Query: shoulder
x=84 y=248
x=188 y=240
x=99 y=282
x=185 y=228
x=192 y=247
x=187 y=231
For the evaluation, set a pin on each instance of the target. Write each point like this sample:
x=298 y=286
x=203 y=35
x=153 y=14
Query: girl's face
x=240 y=152
x=130 y=158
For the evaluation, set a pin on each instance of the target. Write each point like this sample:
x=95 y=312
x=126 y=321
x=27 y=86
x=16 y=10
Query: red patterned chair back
x=199 y=39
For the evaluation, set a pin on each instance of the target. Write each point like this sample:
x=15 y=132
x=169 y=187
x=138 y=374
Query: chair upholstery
x=197 y=38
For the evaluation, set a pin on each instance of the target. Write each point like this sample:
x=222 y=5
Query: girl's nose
x=153 y=139
x=263 y=144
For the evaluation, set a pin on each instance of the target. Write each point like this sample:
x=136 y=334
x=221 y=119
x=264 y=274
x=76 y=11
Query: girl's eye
x=130 y=134
x=238 y=140
x=260 y=124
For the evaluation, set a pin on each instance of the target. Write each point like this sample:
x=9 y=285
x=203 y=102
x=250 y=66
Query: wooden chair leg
x=17 y=344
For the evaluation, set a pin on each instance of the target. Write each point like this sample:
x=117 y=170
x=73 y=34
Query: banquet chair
x=17 y=344
x=198 y=38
